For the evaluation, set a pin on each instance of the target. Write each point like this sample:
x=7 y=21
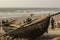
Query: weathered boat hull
x=32 y=31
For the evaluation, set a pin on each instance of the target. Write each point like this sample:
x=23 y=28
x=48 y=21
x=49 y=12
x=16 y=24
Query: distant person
x=3 y=21
x=52 y=23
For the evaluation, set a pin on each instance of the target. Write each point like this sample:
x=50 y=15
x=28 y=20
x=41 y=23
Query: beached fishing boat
x=31 y=30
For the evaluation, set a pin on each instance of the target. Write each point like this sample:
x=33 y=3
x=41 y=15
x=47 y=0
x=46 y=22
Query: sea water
x=19 y=12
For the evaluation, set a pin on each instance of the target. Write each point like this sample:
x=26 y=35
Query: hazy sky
x=29 y=3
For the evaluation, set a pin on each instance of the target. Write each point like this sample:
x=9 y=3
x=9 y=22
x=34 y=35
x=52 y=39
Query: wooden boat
x=31 y=30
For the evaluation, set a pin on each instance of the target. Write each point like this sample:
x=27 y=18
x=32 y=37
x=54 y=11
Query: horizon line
x=29 y=7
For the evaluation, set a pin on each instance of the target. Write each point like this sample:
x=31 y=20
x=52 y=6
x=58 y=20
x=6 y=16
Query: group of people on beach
x=5 y=22
x=29 y=20
x=26 y=21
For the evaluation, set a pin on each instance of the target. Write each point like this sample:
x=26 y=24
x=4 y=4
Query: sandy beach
x=46 y=36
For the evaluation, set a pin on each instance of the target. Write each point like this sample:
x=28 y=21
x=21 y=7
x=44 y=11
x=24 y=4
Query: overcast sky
x=30 y=3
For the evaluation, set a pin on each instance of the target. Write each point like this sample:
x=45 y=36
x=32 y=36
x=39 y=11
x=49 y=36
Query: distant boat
x=31 y=30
